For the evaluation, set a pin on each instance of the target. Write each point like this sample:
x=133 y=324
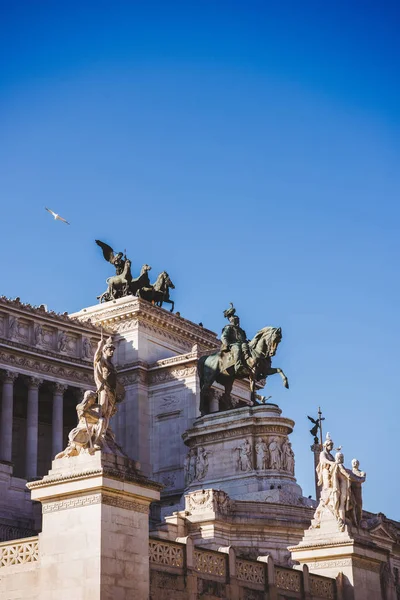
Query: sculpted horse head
x=266 y=341
x=163 y=282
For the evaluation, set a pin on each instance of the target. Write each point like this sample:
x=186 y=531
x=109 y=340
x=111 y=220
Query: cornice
x=114 y=313
x=40 y=312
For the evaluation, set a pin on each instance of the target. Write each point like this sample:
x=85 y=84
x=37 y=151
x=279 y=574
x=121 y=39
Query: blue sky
x=249 y=148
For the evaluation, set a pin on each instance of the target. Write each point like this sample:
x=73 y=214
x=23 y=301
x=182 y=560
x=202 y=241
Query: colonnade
x=32 y=420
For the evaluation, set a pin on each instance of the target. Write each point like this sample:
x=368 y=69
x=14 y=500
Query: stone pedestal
x=351 y=556
x=244 y=452
x=94 y=543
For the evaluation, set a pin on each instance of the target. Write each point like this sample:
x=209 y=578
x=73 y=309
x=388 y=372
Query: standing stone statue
x=245 y=458
x=87 y=348
x=105 y=376
x=274 y=454
x=201 y=463
x=340 y=494
x=93 y=431
x=287 y=457
x=262 y=455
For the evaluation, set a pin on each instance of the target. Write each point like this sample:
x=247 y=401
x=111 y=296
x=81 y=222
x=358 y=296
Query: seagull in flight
x=57 y=217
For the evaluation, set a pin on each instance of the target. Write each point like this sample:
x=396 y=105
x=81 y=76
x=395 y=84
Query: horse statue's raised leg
x=273 y=371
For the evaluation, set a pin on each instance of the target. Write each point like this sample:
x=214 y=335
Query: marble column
x=6 y=425
x=32 y=427
x=57 y=421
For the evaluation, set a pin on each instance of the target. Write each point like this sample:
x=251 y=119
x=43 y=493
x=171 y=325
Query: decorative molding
x=42 y=312
x=105 y=471
x=166 y=553
x=89 y=500
x=243 y=430
x=125 y=503
x=139 y=375
x=115 y=314
x=165 y=375
x=19 y=553
x=47 y=368
x=67 y=503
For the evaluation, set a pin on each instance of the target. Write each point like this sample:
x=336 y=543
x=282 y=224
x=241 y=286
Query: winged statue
x=115 y=259
x=123 y=284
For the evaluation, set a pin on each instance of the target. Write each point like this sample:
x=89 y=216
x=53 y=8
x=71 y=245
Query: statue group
x=340 y=488
x=238 y=358
x=123 y=284
x=93 y=430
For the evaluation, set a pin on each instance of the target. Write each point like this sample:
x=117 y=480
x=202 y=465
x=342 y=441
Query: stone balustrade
x=19 y=552
x=179 y=569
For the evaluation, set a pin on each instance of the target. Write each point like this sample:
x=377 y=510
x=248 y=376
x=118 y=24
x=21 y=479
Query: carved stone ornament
x=208 y=500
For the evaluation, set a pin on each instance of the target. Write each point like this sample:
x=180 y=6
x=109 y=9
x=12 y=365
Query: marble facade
x=229 y=497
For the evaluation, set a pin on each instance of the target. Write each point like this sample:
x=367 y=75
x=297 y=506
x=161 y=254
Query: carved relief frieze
x=209 y=500
x=244 y=431
x=166 y=375
x=89 y=500
x=87 y=348
x=45 y=368
x=136 y=376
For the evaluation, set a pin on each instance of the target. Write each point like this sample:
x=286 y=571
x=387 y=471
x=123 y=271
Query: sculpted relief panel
x=270 y=453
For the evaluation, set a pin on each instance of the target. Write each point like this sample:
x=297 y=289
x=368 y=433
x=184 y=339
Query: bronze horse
x=217 y=367
x=159 y=292
x=118 y=284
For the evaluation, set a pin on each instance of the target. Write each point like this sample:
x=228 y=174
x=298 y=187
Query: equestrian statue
x=238 y=358
x=123 y=284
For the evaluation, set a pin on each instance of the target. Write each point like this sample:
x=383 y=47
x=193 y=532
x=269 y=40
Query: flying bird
x=57 y=217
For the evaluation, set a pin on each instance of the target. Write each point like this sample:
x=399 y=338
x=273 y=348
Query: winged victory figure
x=115 y=259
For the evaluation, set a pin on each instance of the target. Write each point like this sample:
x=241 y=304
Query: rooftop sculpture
x=123 y=284
x=93 y=431
x=238 y=358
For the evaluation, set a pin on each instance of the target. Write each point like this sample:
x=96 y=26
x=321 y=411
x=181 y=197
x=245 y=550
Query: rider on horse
x=234 y=339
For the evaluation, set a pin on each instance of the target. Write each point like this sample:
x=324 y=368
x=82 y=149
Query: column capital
x=34 y=382
x=58 y=388
x=9 y=376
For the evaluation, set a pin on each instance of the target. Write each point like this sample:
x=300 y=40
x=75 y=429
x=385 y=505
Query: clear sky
x=251 y=149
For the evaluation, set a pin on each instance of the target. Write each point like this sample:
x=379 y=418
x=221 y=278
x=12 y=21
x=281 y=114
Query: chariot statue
x=123 y=284
x=238 y=358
